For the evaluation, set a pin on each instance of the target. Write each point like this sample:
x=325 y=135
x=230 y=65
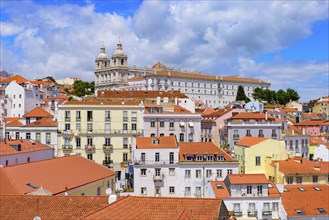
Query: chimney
x=266 y=117
x=112 y=198
x=303 y=131
x=293 y=132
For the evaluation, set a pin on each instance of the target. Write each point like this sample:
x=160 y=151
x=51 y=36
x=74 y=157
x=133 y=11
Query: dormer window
x=210 y=158
x=220 y=157
x=199 y=158
x=155 y=141
x=151 y=110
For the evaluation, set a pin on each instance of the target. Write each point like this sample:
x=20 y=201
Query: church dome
x=102 y=54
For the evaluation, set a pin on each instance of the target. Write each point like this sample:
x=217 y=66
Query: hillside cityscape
x=159 y=140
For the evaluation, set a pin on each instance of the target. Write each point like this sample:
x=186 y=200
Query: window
x=190 y=137
x=259 y=189
x=210 y=158
x=152 y=135
x=98 y=191
x=219 y=173
x=181 y=123
x=315 y=179
x=152 y=124
x=143 y=191
x=157 y=157
x=299 y=212
x=171 y=171
x=107 y=141
x=78 y=115
x=187 y=174
x=107 y=115
x=171 y=157
x=89 y=115
x=157 y=172
x=7 y=162
x=125 y=127
x=299 y=179
x=125 y=143
x=90 y=156
x=67 y=115
x=187 y=192
x=133 y=116
x=171 y=190
x=181 y=137
x=125 y=116
x=257 y=158
x=78 y=126
x=171 y=124
x=197 y=173
x=275 y=206
x=78 y=142
x=38 y=137
x=266 y=206
x=220 y=157
x=322 y=210
x=142 y=157
x=67 y=127
x=208 y=173
x=261 y=134
x=161 y=123
x=249 y=189
x=289 y=180
x=248 y=133
x=17 y=135
x=143 y=172
x=90 y=127
x=107 y=127
x=28 y=159
x=28 y=136
x=124 y=157
x=133 y=127
x=290 y=144
x=296 y=143
x=229 y=171
x=251 y=208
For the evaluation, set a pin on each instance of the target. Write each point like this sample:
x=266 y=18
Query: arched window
x=152 y=135
x=162 y=134
x=181 y=137
x=172 y=134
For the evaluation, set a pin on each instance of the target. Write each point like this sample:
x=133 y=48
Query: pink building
x=311 y=127
x=172 y=121
x=23 y=151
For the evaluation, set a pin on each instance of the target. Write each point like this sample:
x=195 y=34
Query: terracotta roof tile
x=311 y=115
x=38 y=112
x=54 y=174
x=316 y=140
x=162 y=142
x=25 y=145
x=159 y=65
x=251 y=115
x=101 y=103
x=302 y=166
x=250 y=141
x=310 y=123
x=160 y=208
x=14 y=123
x=201 y=148
x=220 y=112
x=43 y=122
x=50 y=207
x=247 y=178
x=308 y=201
x=19 y=79
x=113 y=94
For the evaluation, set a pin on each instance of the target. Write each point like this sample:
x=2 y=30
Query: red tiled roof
x=38 y=112
x=160 y=208
x=310 y=123
x=302 y=166
x=159 y=65
x=53 y=175
x=14 y=123
x=113 y=94
x=311 y=115
x=220 y=112
x=19 y=79
x=43 y=122
x=26 y=146
x=201 y=148
x=247 y=178
x=101 y=103
x=163 y=142
x=316 y=140
x=50 y=207
x=251 y=115
x=250 y=141
x=307 y=201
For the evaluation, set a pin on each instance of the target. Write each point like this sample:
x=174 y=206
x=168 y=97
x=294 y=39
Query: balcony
x=133 y=119
x=107 y=119
x=237 y=213
x=107 y=147
x=252 y=213
x=101 y=131
x=89 y=147
x=157 y=178
x=67 y=119
x=267 y=212
x=125 y=119
x=77 y=119
x=107 y=162
x=236 y=136
x=67 y=147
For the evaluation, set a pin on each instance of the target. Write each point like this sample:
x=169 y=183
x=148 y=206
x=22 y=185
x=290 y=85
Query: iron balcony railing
x=101 y=131
x=67 y=146
x=89 y=147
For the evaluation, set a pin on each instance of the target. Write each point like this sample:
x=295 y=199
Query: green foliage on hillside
x=280 y=97
x=82 y=88
x=241 y=95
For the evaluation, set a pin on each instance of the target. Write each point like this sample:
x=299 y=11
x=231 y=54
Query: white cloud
x=219 y=37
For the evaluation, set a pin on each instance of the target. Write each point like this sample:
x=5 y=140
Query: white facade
x=321 y=152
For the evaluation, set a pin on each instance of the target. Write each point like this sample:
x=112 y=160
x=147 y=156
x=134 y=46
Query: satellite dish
x=108 y=191
x=36 y=218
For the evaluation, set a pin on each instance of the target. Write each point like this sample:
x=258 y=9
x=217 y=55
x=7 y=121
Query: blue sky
x=282 y=42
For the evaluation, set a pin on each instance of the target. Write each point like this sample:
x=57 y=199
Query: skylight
x=317 y=188
x=301 y=189
x=299 y=212
x=285 y=190
x=32 y=186
x=322 y=210
x=219 y=186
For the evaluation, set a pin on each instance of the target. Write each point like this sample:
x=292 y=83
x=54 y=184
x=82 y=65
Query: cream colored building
x=254 y=154
x=101 y=131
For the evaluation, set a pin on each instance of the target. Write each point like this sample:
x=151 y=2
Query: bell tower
x=119 y=65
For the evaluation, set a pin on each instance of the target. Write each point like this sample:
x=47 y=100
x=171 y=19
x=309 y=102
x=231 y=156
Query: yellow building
x=298 y=170
x=99 y=130
x=253 y=153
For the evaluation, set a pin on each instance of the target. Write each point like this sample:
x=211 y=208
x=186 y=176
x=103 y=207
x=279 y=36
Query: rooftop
x=101 y=103
x=314 y=200
x=298 y=165
x=310 y=123
x=316 y=140
x=250 y=141
x=251 y=115
x=43 y=122
x=38 y=112
x=19 y=79
x=247 y=179
x=113 y=94
x=21 y=146
x=53 y=175
x=156 y=142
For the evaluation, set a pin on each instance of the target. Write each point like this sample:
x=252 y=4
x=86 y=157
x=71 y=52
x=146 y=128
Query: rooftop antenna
x=37 y=217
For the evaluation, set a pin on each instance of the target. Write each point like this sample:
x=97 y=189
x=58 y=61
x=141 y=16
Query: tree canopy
x=82 y=88
x=280 y=97
x=241 y=95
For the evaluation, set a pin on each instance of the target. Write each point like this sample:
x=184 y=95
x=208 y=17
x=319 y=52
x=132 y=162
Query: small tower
x=102 y=61
x=119 y=59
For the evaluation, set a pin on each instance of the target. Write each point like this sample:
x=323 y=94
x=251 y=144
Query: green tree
x=269 y=96
x=240 y=95
x=258 y=94
x=282 y=97
x=51 y=79
x=292 y=95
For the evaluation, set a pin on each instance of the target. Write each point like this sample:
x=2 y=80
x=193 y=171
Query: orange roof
x=208 y=111
x=294 y=166
x=136 y=78
x=101 y=103
x=41 y=82
x=50 y=207
x=113 y=94
x=163 y=142
x=220 y=189
x=251 y=115
x=247 y=178
x=316 y=140
x=26 y=146
x=38 y=112
x=272 y=106
x=308 y=201
x=53 y=175
x=159 y=65
x=201 y=148
x=43 y=122
x=293 y=131
x=220 y=112
x=311 y=115
x=250 y=141
x=175 y=110
x=14 y=123
x=279 y=120
x=286 y=109
x=160 y=208
x=310 y=123
x=19 y=79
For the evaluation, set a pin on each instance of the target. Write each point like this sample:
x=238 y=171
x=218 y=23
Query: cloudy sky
x=282 y=42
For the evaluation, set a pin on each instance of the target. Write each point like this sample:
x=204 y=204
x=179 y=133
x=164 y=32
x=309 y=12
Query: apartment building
x=248 y=196
x=165 y=167
x=172 y=120
x=297 y=143
x=254 y=154
x=311 y=127
x=252 y=125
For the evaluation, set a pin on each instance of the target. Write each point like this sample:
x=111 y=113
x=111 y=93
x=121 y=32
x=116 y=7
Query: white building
x=163 y=167
x=321 y=152
x=248 y=196
x=214 y=91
